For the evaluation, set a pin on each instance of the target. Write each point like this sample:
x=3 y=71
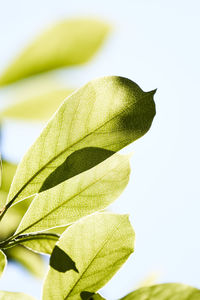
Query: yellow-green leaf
x=33 y=262
x=81 y=195
x=3 y=262
x=167 y=291
x=87 y=255
x=14 y=296
x=38 y=108
x=8 y=171
x=108 y=113
x=67 y=43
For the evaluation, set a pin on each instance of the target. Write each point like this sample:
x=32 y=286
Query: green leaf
x=81 y=195
x=31 y=261
x=67 y=43
x=3 y=262
x=108 y=113
x=95 y=248
x=8 y=171
x=14 y=296
x=167 y=291
x=38 y=108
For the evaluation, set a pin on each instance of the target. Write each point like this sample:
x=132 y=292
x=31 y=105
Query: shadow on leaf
x=86 y=295
x=76 y=163
x=61 y=261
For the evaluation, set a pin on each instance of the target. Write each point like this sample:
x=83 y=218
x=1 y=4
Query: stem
x=4 y=210
x=10 y=242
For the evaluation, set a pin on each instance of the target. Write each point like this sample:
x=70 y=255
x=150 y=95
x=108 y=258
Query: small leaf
x=67 y=43
x=108 y=113
x=3 y=262
x=167 y=291
x=81 y=195
x=14 y=296
x=38 y=108
x=98 y=245
x=31 y=261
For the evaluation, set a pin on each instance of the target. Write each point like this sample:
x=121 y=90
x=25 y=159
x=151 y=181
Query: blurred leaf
x=14 y=296
x=0 y=169
x=12 y=218
x=149 y=280
x=3 y=262
x=109 y=113
x=167 y=291
x=9 y=170
x=81 y=195
x=95 y=248
x=33 y=262
x=67 y=43
x=38 y=108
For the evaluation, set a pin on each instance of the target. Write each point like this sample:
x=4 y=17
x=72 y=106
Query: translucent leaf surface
x=67 y=43
x=14 y=296
x=81 y=195
x=168 y=291
x=108 y=113
x=38 y=108
x=87 y=255
x=3 y=262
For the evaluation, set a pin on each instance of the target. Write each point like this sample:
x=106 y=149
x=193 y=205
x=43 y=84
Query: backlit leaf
x=81 y=195
x=3 y=262
x=95 y=248
x=14 y=296
x=67 y=43
x=108 y=113
x=167 y=291
x=38 y=108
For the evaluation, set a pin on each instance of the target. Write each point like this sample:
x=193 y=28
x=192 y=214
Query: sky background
x=156 y=44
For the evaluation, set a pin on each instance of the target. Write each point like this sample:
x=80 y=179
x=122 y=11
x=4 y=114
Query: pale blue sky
x=155 y=43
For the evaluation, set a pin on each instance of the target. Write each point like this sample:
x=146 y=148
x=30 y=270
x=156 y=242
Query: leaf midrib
x=96 y=254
